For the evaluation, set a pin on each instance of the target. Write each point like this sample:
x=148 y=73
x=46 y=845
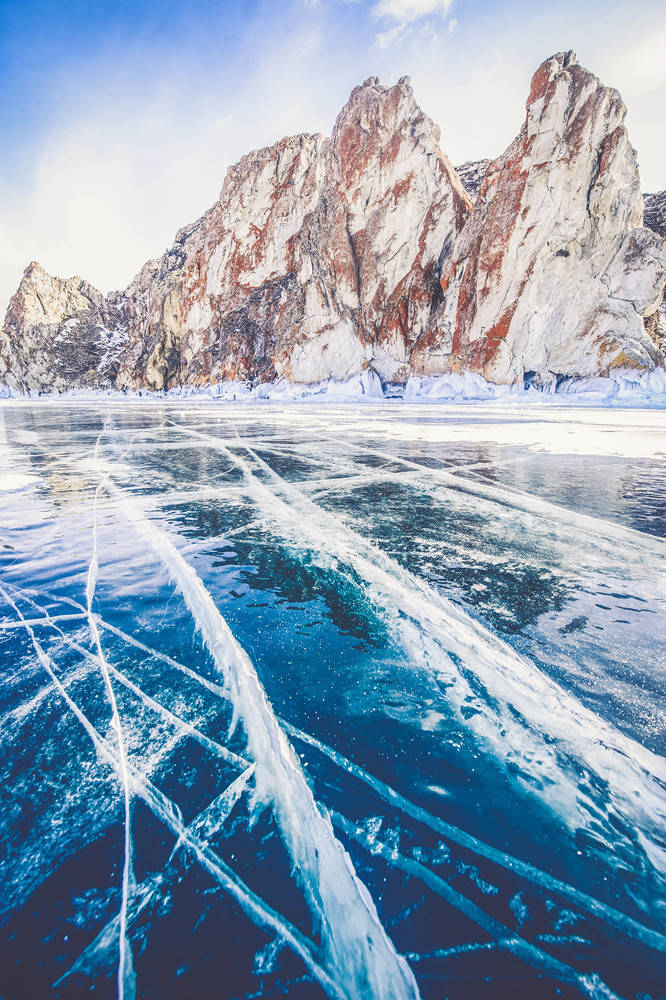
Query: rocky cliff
x=61 y=333
x=655 y=218
x=553 y=272
x=655 y=212
x=326 y=256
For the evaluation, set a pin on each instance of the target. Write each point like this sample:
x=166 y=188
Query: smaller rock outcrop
x=655 y=219
x=60 y=334
x=654 y=215
x=471 y=175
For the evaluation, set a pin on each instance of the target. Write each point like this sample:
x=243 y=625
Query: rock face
x=326 y=256
x=655 y=219
x=471 y=175
x=320 y=258
x=60 y=334
x=654 y=215
x=320 y=255
x=553 y=272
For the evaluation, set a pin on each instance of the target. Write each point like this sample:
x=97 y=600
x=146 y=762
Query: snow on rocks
x=624 y=390
x=471 y=175
x=655 y=212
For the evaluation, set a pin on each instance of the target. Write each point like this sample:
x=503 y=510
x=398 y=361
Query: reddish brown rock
x=320 y=254
x=553 y=272
x=324 y=258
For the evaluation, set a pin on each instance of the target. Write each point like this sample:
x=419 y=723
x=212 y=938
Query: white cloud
x=406 y=11
x=429 y=34
x=394 y=36
x=406 y=15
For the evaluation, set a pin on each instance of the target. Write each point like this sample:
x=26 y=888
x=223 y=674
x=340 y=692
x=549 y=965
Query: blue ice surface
x=390 y=683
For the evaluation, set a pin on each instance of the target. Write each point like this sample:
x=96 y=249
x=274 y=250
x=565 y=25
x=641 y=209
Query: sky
x=119 y=119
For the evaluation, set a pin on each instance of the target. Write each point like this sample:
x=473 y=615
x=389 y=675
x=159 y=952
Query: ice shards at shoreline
x=625 y=389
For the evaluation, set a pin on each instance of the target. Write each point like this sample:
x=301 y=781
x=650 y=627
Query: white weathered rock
x=320 y=255
x=360 y=253
x=60 y=333
x=636 y=272
x=551 y=273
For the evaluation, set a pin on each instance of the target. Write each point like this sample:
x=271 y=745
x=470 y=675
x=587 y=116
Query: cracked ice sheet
x=318 y=649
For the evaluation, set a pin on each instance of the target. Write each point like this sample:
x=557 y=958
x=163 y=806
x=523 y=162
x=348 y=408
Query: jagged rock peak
x=566 y=58
x=323 y=257
x=42 y=297
x=320 y=256
x=60 y=333
x=552 y=272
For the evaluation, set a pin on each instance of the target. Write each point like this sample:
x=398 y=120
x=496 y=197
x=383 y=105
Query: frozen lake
x=332 y=701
